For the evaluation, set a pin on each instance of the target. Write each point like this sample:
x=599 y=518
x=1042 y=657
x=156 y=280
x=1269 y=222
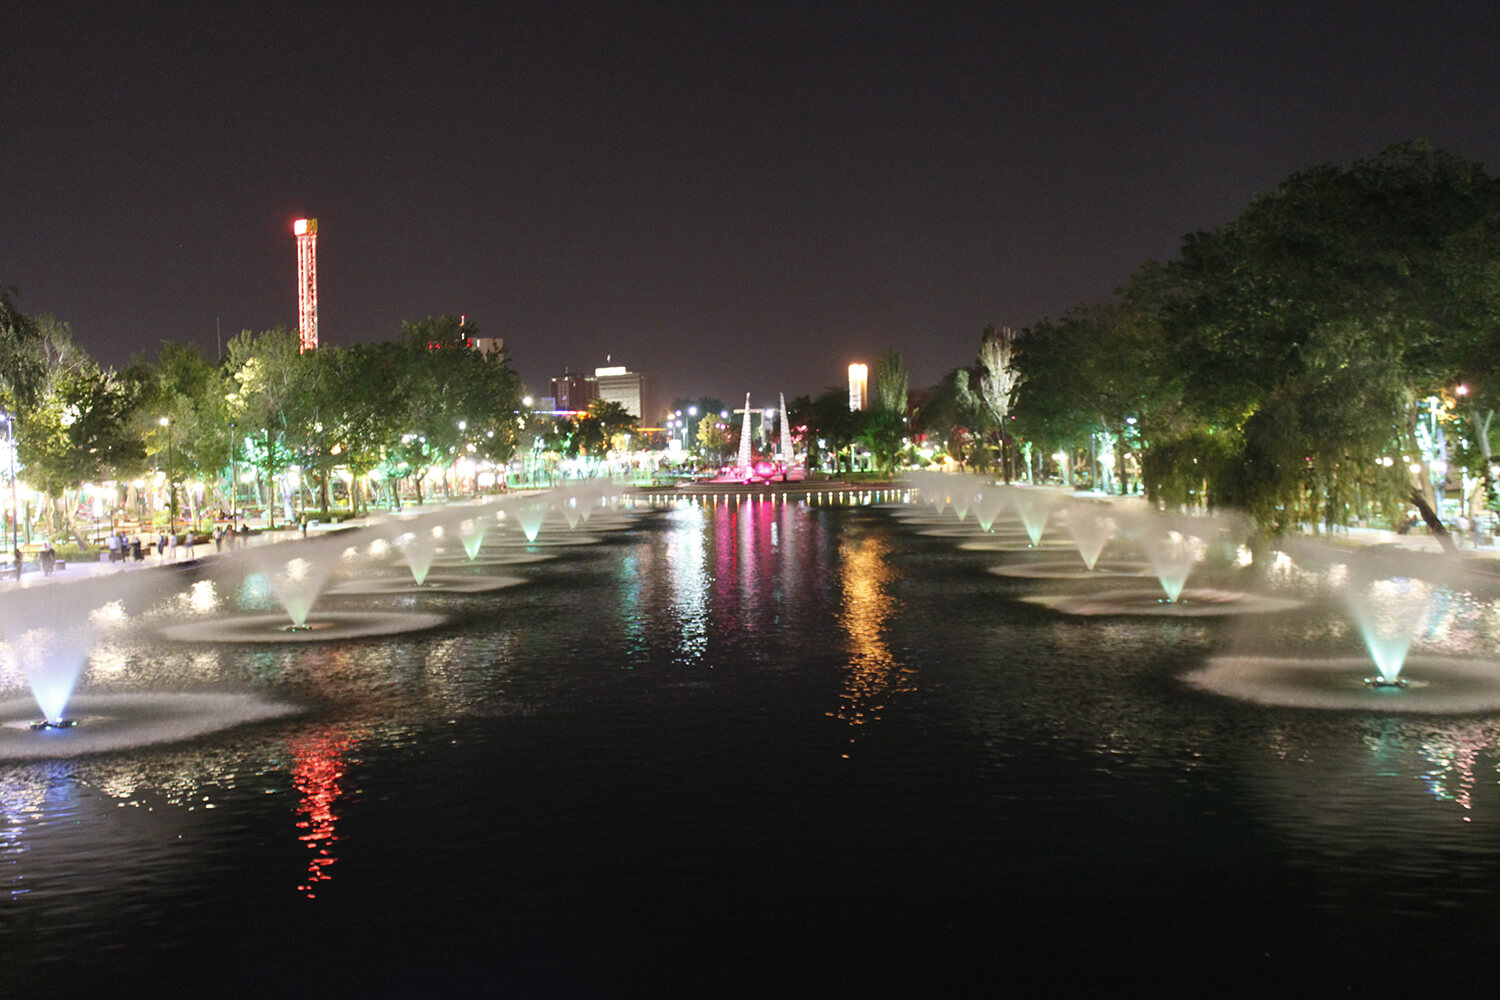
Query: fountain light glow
x=1173 y=556
x=471 y=533
x=1090 y=532
x=49 y=640
x=1389 y=614
x=418 y=551
x=1035 y=508
x=531 y=516
x=987 y=506
x=297 y=585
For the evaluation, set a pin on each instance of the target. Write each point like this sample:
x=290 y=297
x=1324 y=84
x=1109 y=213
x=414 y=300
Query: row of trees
x=424 y=399
x=1298 y=362
x=1292 y=362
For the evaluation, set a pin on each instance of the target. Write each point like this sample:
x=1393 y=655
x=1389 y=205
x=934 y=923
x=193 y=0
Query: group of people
x=125 y=549
x=229 y=537
x=46 y=558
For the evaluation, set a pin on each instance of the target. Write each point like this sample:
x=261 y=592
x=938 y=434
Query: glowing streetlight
x=15 y=506
x=171 y=478
x=234 y=482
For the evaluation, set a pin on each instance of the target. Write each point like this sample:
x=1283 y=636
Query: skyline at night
x=745 y=198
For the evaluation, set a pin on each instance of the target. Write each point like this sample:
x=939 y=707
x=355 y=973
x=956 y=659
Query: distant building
x=574 y=391
x=632 y=390
x=490 y=347
x=859 y=386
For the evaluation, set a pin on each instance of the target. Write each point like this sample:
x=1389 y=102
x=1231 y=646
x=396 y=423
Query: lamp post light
x=15 y=505
x=171 y=479
x=234 y=482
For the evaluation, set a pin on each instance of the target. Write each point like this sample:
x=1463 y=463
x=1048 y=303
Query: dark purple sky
x=733 y=198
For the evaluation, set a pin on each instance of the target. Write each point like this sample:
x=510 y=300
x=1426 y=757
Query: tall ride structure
x=307 y=282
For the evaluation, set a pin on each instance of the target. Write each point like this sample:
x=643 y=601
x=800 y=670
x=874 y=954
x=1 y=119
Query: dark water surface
x=753 y=749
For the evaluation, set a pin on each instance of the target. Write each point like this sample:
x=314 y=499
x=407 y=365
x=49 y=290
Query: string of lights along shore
x=306 y=231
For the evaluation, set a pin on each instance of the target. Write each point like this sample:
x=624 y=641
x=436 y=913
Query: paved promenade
x=81 y=570
x=32 y=576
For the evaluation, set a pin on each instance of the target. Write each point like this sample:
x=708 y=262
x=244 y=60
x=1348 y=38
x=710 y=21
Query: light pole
x=234 y=482
x=171 y=480
x=15 y=506
x=463 y=429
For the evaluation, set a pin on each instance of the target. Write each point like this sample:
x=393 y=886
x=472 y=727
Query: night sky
x=732 y=198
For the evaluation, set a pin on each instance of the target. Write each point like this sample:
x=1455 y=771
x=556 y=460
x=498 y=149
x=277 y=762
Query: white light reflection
x=688 y=577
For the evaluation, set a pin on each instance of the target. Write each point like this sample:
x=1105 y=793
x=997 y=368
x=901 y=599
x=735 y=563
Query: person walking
x=136 y=552
x=189 y=541
x=47 y=557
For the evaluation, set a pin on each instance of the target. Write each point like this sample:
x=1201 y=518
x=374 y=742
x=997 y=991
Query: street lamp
x=171 y=479
x=15 y=506
x=234 y=482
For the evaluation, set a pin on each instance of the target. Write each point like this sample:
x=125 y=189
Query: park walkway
x=32 y=576
x=1489 y=553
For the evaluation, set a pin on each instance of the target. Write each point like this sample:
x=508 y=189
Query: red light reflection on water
x=317 y=768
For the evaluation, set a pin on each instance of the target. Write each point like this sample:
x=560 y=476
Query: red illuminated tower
x=307 y=282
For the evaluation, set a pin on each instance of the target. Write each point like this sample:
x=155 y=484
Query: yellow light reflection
x=872 y=672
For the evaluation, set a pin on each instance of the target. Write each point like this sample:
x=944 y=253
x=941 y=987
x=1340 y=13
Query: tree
x=456 y=401
x=272 y=397
x=950 y=413
x=613 y=420
x=827 y=423
x=187 y=391
x=23 y=367
x=891 y=382
x=713 y=438
x=1314 y=323
x=79 y=430
x=885 y=428
x=1102 y=367
x=363 y=410
x=999 y=378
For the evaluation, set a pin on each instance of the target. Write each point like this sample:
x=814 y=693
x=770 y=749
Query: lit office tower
x=307 y=282
x=858 y=386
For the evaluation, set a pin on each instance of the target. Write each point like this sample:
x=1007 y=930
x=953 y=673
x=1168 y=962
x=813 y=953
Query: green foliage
x=827 y=418
x=714 y=438
x=81 y=427
x=23 y=368
x=891 y=383
x=951 y=416
x=453 y=400
x=1311 y=323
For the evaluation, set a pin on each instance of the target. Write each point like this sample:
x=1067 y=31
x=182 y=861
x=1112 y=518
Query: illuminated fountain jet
x=1388 y=613
x=1090 y=531
x=471 y=534
x=530 y=516
x=419 y=548
x=1035 y=507
x=987 y=506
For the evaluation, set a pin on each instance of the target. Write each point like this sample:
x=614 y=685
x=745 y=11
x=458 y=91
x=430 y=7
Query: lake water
x=755 y=748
